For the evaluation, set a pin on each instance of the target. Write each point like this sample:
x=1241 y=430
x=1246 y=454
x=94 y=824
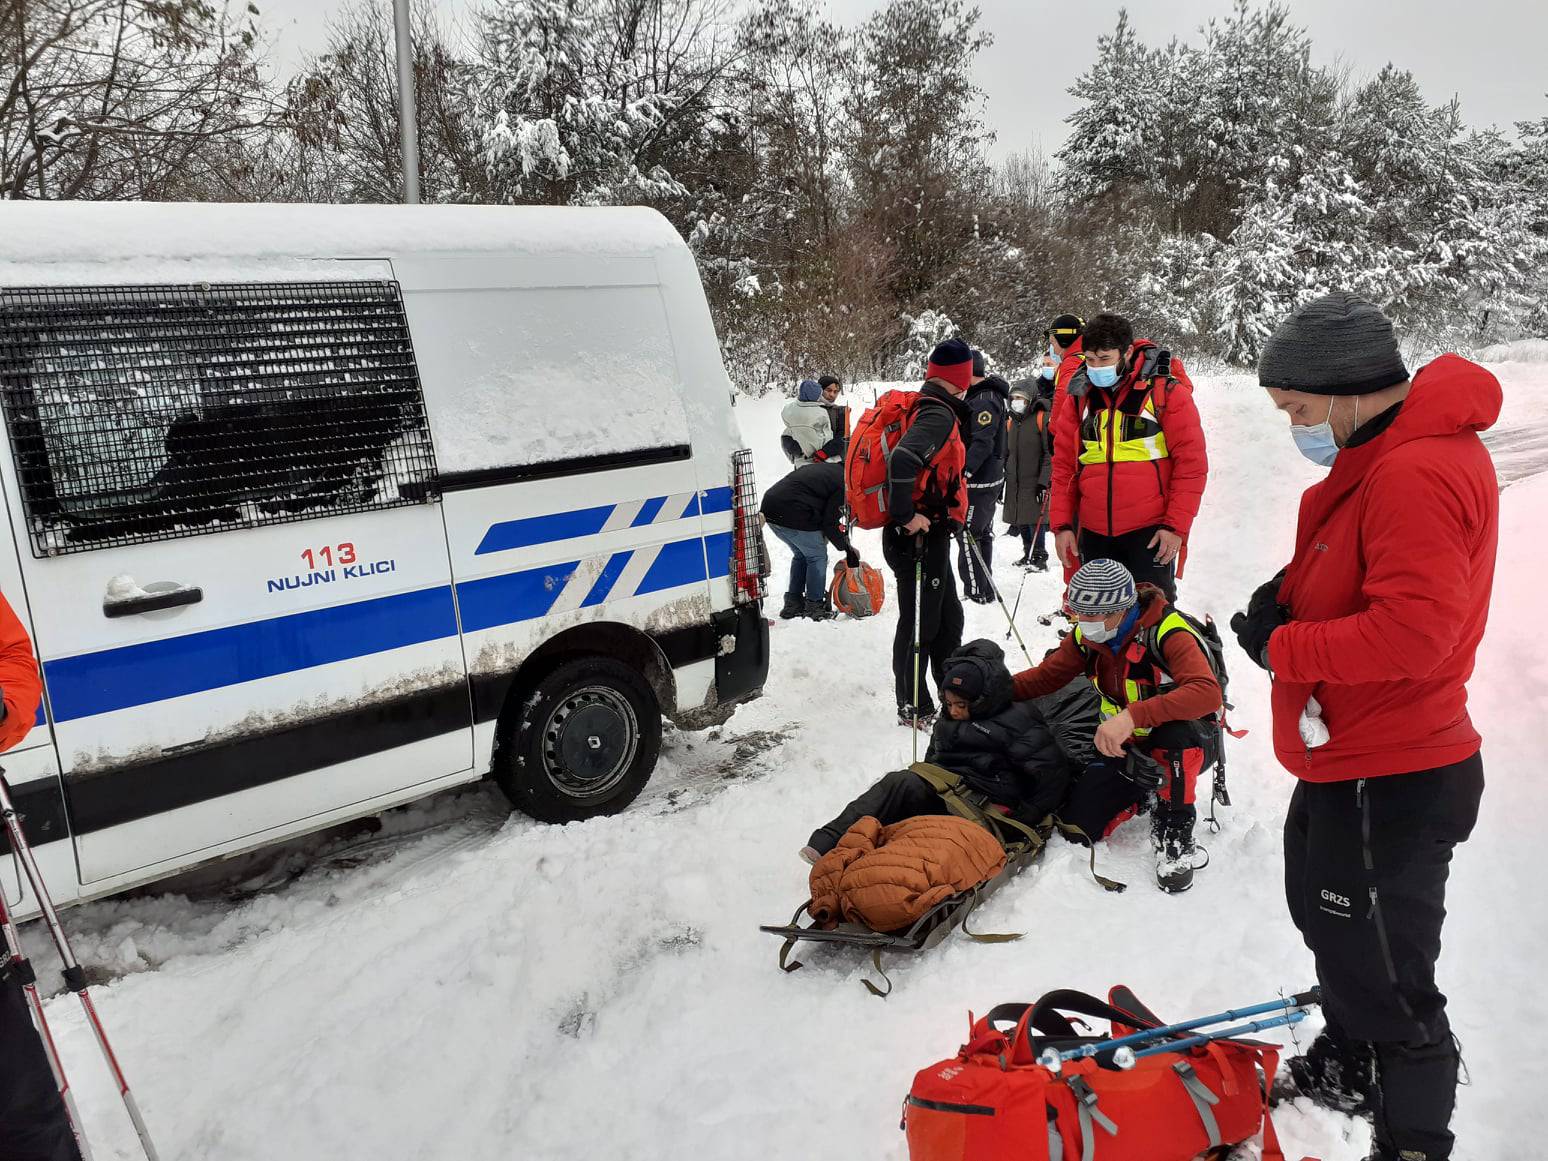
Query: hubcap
x=589 y=742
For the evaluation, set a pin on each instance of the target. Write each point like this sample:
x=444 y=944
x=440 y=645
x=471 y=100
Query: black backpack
x=1208 y=635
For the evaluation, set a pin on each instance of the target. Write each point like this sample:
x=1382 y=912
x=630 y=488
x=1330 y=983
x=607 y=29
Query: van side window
x=144 y=413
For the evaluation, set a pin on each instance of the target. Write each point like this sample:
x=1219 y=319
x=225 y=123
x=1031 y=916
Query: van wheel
x=585 y=743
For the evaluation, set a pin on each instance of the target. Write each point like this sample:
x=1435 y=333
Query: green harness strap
x=949 y=786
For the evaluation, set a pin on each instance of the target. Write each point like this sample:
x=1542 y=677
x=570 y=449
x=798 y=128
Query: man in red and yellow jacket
x=1129 y=457
x=1370 y=634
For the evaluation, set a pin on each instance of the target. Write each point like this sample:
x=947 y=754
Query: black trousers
x=898 y=796
x=33 y=1124
x=1104 y=794
x=1130 y=551
x=940 y=611
x=976 y=581
x=1366 y=864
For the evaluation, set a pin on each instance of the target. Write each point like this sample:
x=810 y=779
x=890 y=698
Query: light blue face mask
x=1316 y=441
x=1047 y=372
x=1103 y=377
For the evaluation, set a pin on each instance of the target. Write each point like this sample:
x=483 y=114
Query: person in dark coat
x=805 y=511
x=985 y=471
x=838 y=414
x=1002 y=749
x=916 y=542
x=1029 y=465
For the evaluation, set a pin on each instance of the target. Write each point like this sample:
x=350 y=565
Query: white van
x=314 y=510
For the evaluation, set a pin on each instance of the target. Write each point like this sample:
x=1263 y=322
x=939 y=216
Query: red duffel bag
x=993 y=1101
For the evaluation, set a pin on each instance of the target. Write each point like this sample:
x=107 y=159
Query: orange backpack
x=869 y=456
x=859 y=591
x=994 y=1101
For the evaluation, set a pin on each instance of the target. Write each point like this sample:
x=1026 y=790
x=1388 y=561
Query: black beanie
x=1066 y=329
x=830 y=381
x=1334 y=345
x=965 y=679
x=979 y=364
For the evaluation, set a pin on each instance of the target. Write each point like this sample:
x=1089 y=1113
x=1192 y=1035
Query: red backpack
x=993 y=1101
x=869 y=456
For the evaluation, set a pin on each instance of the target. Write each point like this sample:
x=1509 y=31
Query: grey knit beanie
x=1334 y=345
x=1100 y=587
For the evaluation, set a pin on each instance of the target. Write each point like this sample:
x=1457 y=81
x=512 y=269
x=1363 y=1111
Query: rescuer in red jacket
x=1370 y=633
x=33 y=1123
x=1129 y=458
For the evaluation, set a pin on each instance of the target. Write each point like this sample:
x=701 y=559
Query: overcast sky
x=1487 y=52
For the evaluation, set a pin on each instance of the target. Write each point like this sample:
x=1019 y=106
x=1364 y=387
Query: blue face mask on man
x=1047 y=372
x=1103 y=377
x=1316 y=441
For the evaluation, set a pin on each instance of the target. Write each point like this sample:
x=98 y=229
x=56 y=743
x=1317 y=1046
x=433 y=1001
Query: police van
x=315 y=510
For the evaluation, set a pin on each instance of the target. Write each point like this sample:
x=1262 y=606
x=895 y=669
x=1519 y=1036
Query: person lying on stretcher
x=1001 y=748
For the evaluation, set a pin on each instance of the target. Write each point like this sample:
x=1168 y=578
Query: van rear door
x=240 y=592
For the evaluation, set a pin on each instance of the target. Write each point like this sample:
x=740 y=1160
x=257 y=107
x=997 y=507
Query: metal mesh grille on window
x=148 y=413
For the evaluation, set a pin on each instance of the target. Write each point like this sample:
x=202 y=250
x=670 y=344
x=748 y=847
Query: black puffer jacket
x=1073 y=714
x=1005 y=750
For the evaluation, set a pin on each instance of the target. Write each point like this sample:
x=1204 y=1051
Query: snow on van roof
x=62 y=243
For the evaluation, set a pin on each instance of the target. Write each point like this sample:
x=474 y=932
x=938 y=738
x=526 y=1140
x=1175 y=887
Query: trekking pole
x=18 y=966
x=1281 y=1021
x=1010 y=620
x=918 y=600
x=74 y=974
x=1108 y=1047
x=1016 y=608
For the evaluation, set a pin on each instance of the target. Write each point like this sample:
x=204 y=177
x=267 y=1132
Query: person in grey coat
x=1029 y=467
x=808 y=437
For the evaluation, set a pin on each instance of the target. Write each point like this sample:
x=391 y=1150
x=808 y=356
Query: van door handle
x=151 y=602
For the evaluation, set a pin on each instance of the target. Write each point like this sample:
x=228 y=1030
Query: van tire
x=584 y=741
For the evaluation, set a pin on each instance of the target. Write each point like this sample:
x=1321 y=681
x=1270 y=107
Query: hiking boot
x=1176 y=855
x=906 y=717
x=981 y=598
x=1039 y=562
x=794 y=606
x=818 y=611
x=1335 y=1073
x=1024 y=559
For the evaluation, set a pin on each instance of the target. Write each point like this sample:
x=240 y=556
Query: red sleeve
x=1416 y=539
x=1057 y=670
x=1180 y=373
x=1063 y=498
x=18 y=678
x=1190 y=462
x=1195 y=693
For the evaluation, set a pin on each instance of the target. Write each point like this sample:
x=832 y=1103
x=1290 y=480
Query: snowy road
x=471 y=985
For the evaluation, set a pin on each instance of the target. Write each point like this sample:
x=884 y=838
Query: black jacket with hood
x=986 y=406
x=1005 y=750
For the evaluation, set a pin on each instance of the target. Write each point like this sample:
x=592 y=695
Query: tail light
x=749 y=560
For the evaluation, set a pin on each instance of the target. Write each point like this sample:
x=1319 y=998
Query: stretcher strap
x=1203 y=1099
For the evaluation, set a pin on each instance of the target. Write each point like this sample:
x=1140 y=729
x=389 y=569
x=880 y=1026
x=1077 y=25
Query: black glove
x=1264 y=614
x=853 y=558
x=1141 y=769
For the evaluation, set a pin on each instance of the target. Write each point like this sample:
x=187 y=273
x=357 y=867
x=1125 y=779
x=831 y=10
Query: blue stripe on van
x=648 y=511
x=513 y=597
x=134 y=675
x=532 y=530
x=115 y=679
x=607 y=578
x=715 y=500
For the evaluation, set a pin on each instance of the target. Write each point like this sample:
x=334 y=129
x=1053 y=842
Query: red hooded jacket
x=1110 y=498
x=1389 y=589
x=19 y=679
x=1073 y=360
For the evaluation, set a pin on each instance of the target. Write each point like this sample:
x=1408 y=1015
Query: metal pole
x=408 y=120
